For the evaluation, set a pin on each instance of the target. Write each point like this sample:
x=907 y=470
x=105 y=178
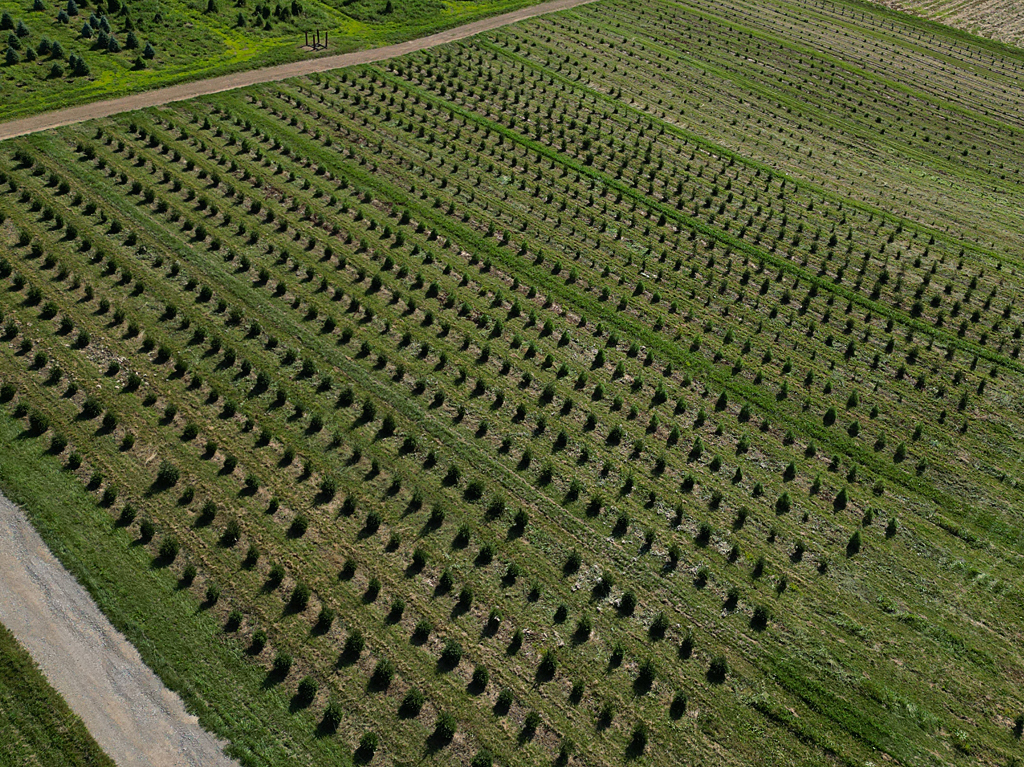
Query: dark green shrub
x=638 y=741
x=718 y=669
x=383 y=675
x=503 y=702
x=445 y=583
x=275 y=576
x=299 y=599
x=109 y=497
x=530 y=725
x=658 y=627
x=306 y=692
x=57 y=444
x=167 y=475
x=854 y=544
x=451 y=655
x=324 y=620
x=412 y=703
x=548 y=666
x=627 y=603
x=232 y=532
x=298 y=527
x=480 y=679
x=128 y=514
x=169 y=548
x=353 y=647
x=332 y=717
x=188 y=576
x=282 y=665
x=677 y=707
x=38 y=423
x=572 y=563
x=91 y=408
x=212 y=594
x=444 y=729
x=841 y=500
x=372 y=590
x=645 y=677
x=372 y=523
x=516 y=643
x=328 y=488
x=483 y=758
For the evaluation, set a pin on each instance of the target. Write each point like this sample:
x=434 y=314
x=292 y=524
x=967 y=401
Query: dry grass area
x=1000 y=20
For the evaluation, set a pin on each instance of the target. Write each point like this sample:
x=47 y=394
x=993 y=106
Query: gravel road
x=185 y=91
x=135 y=719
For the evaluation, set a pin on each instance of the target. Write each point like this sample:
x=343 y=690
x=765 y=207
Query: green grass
x=37 y=725
x=191 y=43
x=678 y=289
x=217 y=684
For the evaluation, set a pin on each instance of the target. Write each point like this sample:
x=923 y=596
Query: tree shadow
x=298 y=703
x=501 y=707
x=459 y=609
x=348 y=657
x=437 y=741
x=378 y=683
x=161 y=562
x=326 y=727
x=273 y=678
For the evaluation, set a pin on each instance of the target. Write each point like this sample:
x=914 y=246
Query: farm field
x=640 y=382
x=37 y=726
x=992 y=19
x=59 y=54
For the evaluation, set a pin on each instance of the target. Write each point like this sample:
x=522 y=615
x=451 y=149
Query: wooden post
x=325 y=38
x=307 y=39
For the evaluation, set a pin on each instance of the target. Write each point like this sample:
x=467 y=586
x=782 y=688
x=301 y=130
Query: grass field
x=37 y=726
x=189 y=41
x=639 y=382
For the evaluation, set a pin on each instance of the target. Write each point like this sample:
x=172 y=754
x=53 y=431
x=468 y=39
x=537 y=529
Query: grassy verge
x=37 y=726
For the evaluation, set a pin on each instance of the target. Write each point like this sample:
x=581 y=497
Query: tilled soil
x=134 y=718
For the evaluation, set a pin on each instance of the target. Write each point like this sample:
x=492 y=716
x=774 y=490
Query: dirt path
x=185 y=91
x=135 y=719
